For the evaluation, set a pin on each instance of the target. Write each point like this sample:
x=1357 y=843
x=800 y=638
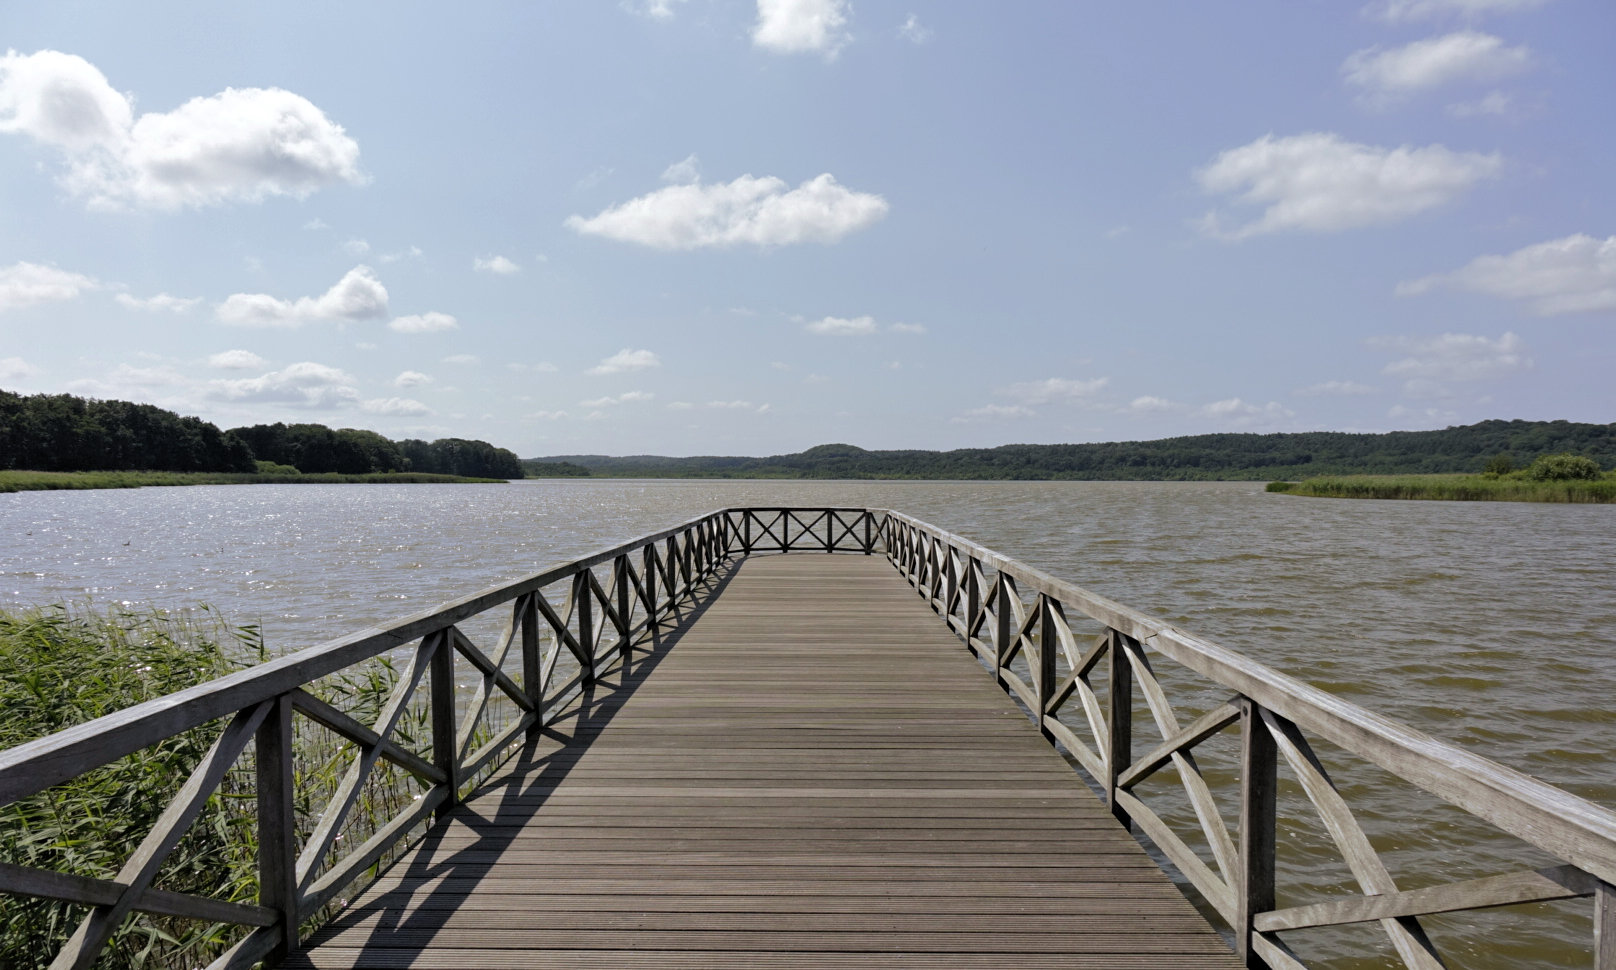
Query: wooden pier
x=720 y=745
x=811 y=773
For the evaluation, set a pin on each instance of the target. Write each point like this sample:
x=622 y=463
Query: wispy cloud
x=423 y=323
x=496 y=265
x=162 y=302
x=1465 y=56
x=626 y=360
x=1576 y=274
x=29 y=284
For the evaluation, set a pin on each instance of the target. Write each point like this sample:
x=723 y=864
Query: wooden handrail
x=1277 y=714
x=603 y=620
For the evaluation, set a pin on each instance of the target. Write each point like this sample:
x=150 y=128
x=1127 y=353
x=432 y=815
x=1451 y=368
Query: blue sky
x=719 y=226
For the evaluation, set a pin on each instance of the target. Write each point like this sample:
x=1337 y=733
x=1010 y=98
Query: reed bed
x=60 y=667
x=24 y=481
x=1454 y=488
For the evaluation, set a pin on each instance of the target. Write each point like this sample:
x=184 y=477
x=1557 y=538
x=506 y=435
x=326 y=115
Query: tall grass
x=1454 y=488
x=60 y=667
x=25 y=481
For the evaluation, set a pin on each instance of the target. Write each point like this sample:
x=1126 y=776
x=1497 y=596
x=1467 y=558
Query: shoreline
x=32 y=481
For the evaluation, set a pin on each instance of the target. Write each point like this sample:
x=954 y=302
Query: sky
x=728 y=227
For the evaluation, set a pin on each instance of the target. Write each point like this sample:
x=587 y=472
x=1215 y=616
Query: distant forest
x=65 y=433
x=1196 y=457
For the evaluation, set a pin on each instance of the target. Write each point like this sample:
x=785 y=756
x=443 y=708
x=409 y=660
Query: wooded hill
x=1194 y=457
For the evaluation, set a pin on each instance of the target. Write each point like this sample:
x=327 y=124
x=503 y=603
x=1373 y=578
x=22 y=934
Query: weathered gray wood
x=1254 y=890
x=441 y=714
x=84 y=890
x=327 y=716
x=1119 y=729
x=277 y=821
x=1510 y=889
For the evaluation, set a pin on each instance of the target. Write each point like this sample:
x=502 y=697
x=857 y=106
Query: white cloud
x=1338 y=389
x=161 y=301
x=412 y=378
x=240 y=145
x=628 y=397
x=305 y=384
x=913 y=31
x=356 y=247
x=1432 y=363
x=801 y=26
x=463 y=360
x=752 y=211
x=1467 y=55
x=359 y=295
x=548 y=415
x=995 y=411
x=424 y=323
x=395 y=406
x=1054 y=389
x=1576 y=274
x=1320 y=183
x=16 y=369
x=840 y=327
x=1239 y=413
x=626 y=360
x=316 y=224
x=685 y=172
x=914 y=328
x=730 y=405
x=1150 y=404
x=237 y=360
x=28 y=284
x=1403 y=11
x=498 y=265
x=414 y=252
x=655 y=9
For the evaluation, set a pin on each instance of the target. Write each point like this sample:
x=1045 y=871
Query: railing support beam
x=1120 y=727
x=1259 y=786
x=277 y=824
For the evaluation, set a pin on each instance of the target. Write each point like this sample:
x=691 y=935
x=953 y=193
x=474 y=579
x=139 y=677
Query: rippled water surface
x=1492 y=625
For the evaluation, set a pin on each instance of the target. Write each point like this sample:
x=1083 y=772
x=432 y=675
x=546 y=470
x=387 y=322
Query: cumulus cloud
x=913 y=31
x=302 y=385
x=913 y=328
x=240 y=145
x=160 y=302
x=395 y=407
x=359 y=295
x=752 y=211
x=1054 y=389
x=1319 y=182
x=423 y=323
x=1338 y=389
x=1403 y=11
x=237 y=360
x=685 y=172
x=995 y=411
x=28 y=284
x=1464 y=56
x=842 y=327
x=1430 y=364
x=498 y=265
x=16 y=369
x=412 y=378
x=626 y=360
x=627 y=397
x=1576 y=274
x=801 y=26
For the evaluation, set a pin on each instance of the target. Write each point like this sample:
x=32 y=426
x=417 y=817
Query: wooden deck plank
x=811 y=774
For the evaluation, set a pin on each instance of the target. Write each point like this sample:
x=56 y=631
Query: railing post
x=1048 y=644
x=973 y=600
x=1004 y=628
x=584 y=599
x=950 y=584
x=620 y=567
x=445 y=751
x=1119 y=755
x=648 y=578
x=869 y=537
x=1259 y=785
x=746 y=531
x=1604 y=926
x=277 y=825
x=532 y=655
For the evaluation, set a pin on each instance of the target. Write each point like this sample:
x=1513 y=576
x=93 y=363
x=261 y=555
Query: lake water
x=1492 y=625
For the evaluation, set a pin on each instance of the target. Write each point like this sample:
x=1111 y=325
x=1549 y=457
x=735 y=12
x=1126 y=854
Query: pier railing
x=1086 y=669
x=563 y=628
x=1090 y=670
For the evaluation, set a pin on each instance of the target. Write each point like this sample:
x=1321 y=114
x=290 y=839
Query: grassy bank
x=25 y=481
x=63 y=667
x=1453 y=488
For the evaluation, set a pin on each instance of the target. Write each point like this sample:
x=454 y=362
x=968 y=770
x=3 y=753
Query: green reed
x=1454 y=488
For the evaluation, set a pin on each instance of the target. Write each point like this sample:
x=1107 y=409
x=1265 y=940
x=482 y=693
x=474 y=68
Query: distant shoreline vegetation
x=1212 y=457
x=95 y=439
x=31 y=481
x=1550 y=478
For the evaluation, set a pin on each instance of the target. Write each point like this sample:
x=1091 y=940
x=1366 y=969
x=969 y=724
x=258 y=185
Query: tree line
x=63 y=432
x=1258 y=457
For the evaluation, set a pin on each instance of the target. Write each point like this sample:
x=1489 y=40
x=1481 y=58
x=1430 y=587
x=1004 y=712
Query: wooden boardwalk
x=812 y=773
